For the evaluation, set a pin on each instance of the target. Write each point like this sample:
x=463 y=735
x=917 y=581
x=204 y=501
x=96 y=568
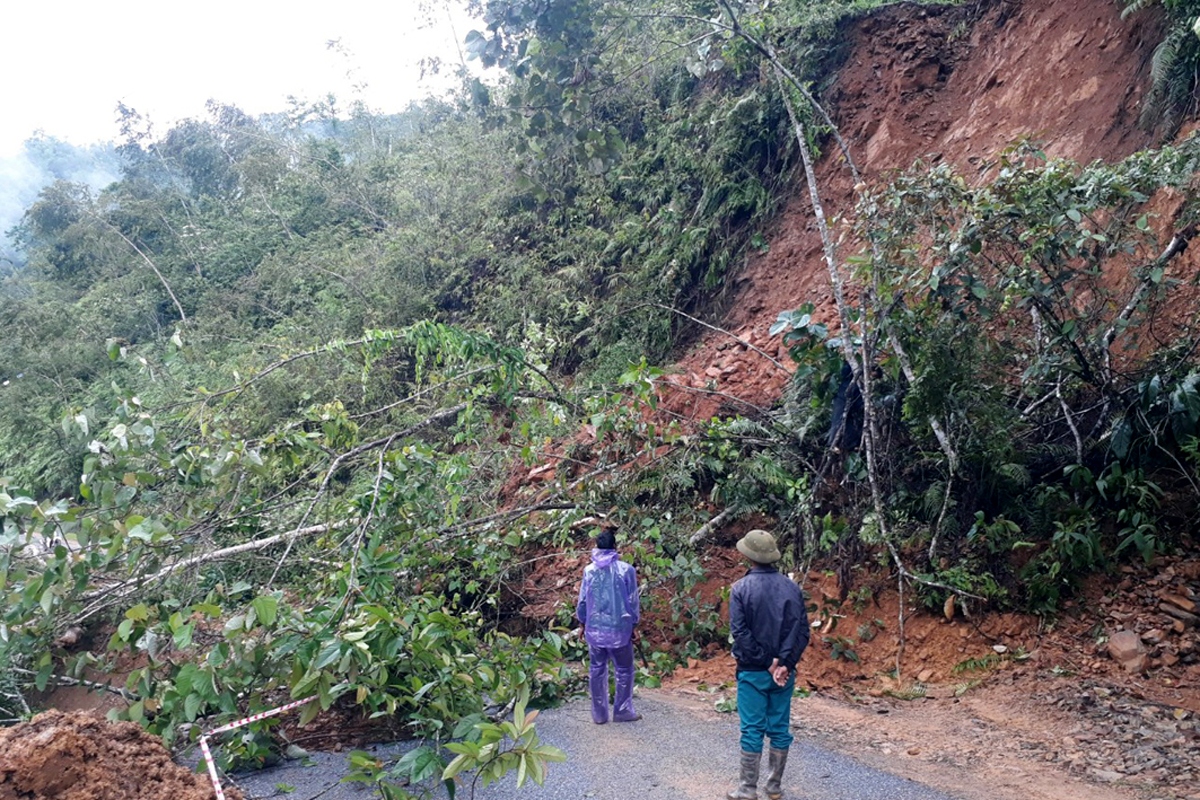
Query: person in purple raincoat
x=609 y=608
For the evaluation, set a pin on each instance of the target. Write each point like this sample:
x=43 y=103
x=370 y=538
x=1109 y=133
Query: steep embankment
x=957 y=84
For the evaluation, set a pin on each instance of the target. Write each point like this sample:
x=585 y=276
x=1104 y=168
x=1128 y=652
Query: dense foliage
x=289 y=409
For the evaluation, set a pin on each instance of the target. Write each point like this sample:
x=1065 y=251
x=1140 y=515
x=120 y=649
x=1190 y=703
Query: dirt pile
x=79 y=756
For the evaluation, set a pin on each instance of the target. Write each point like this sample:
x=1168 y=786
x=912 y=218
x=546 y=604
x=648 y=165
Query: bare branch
x=503 y=516
x=417 y=395
x=441 y=416
x=124 y=694
x=1070 y=421
x=111 y=594
x=733 y=336
x=182 y=316
x=708 y=528
x=1179 y=243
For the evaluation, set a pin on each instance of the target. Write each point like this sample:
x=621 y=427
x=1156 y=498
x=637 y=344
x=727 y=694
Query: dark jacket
x=767 y=619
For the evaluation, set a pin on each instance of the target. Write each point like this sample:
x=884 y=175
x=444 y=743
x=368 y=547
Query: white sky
x=66 y=63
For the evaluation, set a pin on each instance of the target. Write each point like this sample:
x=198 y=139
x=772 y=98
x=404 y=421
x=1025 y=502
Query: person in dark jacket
x=769 y=626
x=609 y=607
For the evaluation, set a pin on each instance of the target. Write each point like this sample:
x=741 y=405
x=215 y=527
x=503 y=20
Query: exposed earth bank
x=958 y=84
x=954 y=84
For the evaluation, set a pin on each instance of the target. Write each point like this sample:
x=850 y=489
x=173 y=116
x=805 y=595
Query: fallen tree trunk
x=710 y=527
x=119 y=591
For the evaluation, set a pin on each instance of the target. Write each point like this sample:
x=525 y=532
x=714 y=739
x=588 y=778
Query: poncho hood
x=603 y=558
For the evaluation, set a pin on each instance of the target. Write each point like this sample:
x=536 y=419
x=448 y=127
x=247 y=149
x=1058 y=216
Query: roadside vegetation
x=289 y=408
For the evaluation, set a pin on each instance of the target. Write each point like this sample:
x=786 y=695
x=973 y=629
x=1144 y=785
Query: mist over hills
x=42 y=161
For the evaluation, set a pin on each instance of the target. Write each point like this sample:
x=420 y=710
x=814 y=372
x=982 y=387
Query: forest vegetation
x=288 y=404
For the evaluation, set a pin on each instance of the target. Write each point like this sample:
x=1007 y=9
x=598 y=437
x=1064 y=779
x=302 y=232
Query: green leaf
x=330 y=653
x=266 y=606
x=43 y=676
x=550 y=753
x=456 y=765
x=522 y=770
x=1122 y=438
x=420 y=764
x=139 y=613
x=465 y=726
x=423 y=690
x=191 y=706
x=207 y=609
x=309 y=713
x=47 y=600
x=183 y=636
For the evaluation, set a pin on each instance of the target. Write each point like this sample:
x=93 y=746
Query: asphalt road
x=682 y=749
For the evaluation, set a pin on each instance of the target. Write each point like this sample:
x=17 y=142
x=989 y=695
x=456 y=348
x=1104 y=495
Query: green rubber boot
x=776 y=761
x=748 y=788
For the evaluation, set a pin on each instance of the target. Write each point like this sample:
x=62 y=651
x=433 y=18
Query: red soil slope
x=957 y=84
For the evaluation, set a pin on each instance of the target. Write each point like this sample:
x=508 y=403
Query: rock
x=924 y=675
x=1177 y=600
x=543 y=473
x=1105 y=775
x=1126 y=649
x=1178 y=613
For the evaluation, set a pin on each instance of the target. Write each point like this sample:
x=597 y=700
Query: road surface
x=681 y=749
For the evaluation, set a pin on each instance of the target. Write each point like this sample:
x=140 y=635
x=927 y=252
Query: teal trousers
x=764 y=709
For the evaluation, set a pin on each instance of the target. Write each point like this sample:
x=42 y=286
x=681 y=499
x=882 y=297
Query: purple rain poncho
x=609 y=602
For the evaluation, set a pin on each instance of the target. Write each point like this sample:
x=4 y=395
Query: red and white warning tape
x=208 y=759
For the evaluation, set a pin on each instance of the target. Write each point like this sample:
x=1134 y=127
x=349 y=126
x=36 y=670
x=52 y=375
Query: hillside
x=933 y=84
x=960 y=84
x=287 y=415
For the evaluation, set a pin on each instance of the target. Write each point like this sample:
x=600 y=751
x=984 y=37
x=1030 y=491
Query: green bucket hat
x=759 y=547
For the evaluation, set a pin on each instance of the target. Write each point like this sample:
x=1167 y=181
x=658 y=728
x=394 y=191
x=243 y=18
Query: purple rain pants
x=622 y=658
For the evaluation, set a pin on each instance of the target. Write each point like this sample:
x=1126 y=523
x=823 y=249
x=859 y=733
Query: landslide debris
x=81 y=756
